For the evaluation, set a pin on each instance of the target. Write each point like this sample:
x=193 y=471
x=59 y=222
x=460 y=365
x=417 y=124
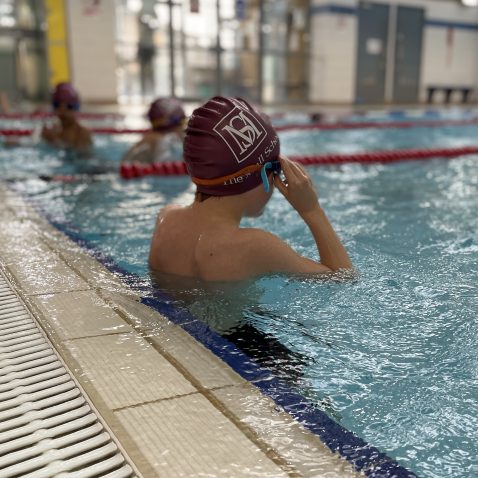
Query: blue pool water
x=391 y=355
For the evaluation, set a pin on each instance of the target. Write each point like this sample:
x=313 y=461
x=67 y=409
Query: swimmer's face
x=65 y=112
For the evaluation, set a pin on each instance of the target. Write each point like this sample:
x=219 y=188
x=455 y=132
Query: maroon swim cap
x=65 y=93
x=166 y=113
x=224 y=137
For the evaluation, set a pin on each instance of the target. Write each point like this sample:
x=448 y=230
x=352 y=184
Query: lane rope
x=178 y=168
x=46 y=114
x=376 y=125
x=28 y=132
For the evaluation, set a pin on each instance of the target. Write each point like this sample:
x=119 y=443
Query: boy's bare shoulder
x=170 y=207
x=257 y=243
x=151 y=137
x=83 y=135
x=254 y=236
x=84 y=130
x=168 y=210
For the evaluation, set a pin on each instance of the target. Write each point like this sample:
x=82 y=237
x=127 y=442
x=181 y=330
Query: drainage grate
x=47 y=427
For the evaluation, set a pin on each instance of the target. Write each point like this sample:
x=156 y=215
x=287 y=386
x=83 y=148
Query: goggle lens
x=69 y=106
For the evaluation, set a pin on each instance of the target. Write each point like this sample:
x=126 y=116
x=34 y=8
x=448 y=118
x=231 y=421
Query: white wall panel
x=333 y=57
x=92 y=49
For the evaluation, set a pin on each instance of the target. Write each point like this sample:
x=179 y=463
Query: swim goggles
x=69 y=106
x=273 y=166
x=163 y=123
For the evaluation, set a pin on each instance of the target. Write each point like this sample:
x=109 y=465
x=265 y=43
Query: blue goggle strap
x=274 y=167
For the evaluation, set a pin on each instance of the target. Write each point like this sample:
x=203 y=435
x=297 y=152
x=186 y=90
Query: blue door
x=408 y=54
x=371 y=54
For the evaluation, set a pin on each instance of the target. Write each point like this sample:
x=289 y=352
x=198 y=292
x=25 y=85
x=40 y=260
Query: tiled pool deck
x=176 y=409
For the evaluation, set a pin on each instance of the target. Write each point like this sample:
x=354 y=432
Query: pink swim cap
x=65 y=93
x=166 y=113
x=226 y=142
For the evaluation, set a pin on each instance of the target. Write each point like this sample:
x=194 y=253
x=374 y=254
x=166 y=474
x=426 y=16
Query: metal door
x=8 y=66
x=371 y=54
x=408 y=54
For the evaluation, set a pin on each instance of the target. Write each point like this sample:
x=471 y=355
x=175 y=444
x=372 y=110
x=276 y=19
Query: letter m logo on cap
x=242 y=132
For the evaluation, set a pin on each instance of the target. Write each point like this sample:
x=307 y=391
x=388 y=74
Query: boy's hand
x=297 y=187
x=48 y=134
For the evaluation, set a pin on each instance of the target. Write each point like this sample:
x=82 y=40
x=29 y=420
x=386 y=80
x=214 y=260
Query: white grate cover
x=47 y=427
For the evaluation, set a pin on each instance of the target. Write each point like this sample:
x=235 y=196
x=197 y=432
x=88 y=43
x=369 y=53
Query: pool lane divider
x=178 y=168
x=110 y=131
x=377 y=125
x=362 y=456
x=47 y=114
x=290 y=127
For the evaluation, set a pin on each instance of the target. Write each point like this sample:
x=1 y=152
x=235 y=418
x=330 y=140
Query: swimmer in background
x=164 y=142
x=68 y=133
x=233 y=156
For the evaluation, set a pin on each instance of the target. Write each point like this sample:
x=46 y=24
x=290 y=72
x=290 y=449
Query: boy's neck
x=225 y=209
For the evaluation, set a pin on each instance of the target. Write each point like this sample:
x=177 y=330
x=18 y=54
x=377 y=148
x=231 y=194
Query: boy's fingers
x=289 y=168
x=285 y=166
x=297 y=170
x=284 y=162
x=296 y=173
x=280 y=185
x=301 y=168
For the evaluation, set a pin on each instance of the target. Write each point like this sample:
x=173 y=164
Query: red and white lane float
x=49 y=114
x=111 y=131
x=167 y=168
x=377 y=125
x=16 y=132
x=178 y=168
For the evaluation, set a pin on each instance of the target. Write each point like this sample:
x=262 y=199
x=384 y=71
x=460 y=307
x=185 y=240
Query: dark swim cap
x=65 y=93
x=224 y=137
x=166 y=113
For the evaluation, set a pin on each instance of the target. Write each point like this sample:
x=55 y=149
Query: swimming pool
x=391 y=355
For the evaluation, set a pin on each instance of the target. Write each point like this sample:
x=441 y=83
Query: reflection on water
x=235 y=311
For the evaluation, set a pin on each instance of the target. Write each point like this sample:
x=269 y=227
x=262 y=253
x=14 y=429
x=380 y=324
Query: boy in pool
x=68 y=133
x=232 y=154
x=164 y=142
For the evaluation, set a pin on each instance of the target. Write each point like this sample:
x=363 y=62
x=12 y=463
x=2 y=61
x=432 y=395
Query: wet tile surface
x=305 y=452
x=79 y=314
x=188 y=437
x=42 y=272
x=126 y=370
x=206 y=367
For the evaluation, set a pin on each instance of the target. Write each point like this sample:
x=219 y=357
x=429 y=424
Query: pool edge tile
x=307 y=453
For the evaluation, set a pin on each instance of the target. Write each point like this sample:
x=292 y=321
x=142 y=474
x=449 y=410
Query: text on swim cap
x=264 y=157
x=242 y=133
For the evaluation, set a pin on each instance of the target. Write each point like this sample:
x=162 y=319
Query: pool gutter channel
x=221 y=388
x=53 y=441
